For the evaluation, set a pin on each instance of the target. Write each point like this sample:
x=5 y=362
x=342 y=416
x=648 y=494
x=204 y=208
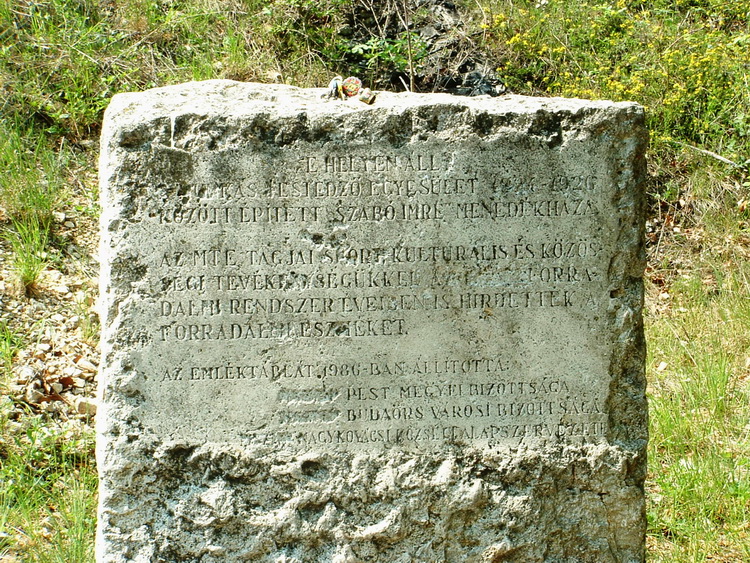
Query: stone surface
x=401 y=332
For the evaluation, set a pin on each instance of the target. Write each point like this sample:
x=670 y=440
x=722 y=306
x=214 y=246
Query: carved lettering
x=294 y=273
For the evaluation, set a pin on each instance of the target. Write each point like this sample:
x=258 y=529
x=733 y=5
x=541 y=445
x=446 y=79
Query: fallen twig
x=708 y=153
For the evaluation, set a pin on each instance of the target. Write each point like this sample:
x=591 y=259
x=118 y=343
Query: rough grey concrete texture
x=405 y=332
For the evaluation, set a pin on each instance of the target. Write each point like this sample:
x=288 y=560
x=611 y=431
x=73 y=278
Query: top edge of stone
x=232 y=97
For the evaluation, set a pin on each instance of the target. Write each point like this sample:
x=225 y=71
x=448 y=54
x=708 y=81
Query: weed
x=32 y=182
x=686 y=66
x=383 y=56
x=28 y=239
x=10 y=343
x=89 y=327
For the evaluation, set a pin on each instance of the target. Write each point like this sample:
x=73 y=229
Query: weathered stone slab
x=401 y=332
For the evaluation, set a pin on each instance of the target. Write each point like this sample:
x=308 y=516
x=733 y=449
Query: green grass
x=700 y=421
x=10 y=343
x=699 y=373
x=47 y=484
x=28 y=239
x=32 y=188
x=32 y=184
x=684 y=60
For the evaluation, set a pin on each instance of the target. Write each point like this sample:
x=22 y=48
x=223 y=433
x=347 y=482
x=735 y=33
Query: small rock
x=51 y=406
x=58 y=318
x=33 y=396
x=86 y=365
x=86 y=405
x=71 y=371
x=69 y=224
x=57 y=387
x=87 y=143
x=24 y=374
x=58 y=216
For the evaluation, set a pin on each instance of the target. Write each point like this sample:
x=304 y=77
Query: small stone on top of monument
x=406 y=331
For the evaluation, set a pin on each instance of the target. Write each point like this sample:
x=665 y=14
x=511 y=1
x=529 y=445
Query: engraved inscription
x=411 y=296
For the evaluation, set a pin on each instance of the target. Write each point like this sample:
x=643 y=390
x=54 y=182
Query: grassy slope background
x=686 y=61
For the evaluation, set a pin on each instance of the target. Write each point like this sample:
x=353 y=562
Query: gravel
x=55 y=371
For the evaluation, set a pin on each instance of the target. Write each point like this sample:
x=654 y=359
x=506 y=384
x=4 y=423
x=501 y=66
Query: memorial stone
x=400 y=332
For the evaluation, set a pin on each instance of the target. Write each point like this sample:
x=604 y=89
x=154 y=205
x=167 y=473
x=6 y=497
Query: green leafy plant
x=383 y=56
